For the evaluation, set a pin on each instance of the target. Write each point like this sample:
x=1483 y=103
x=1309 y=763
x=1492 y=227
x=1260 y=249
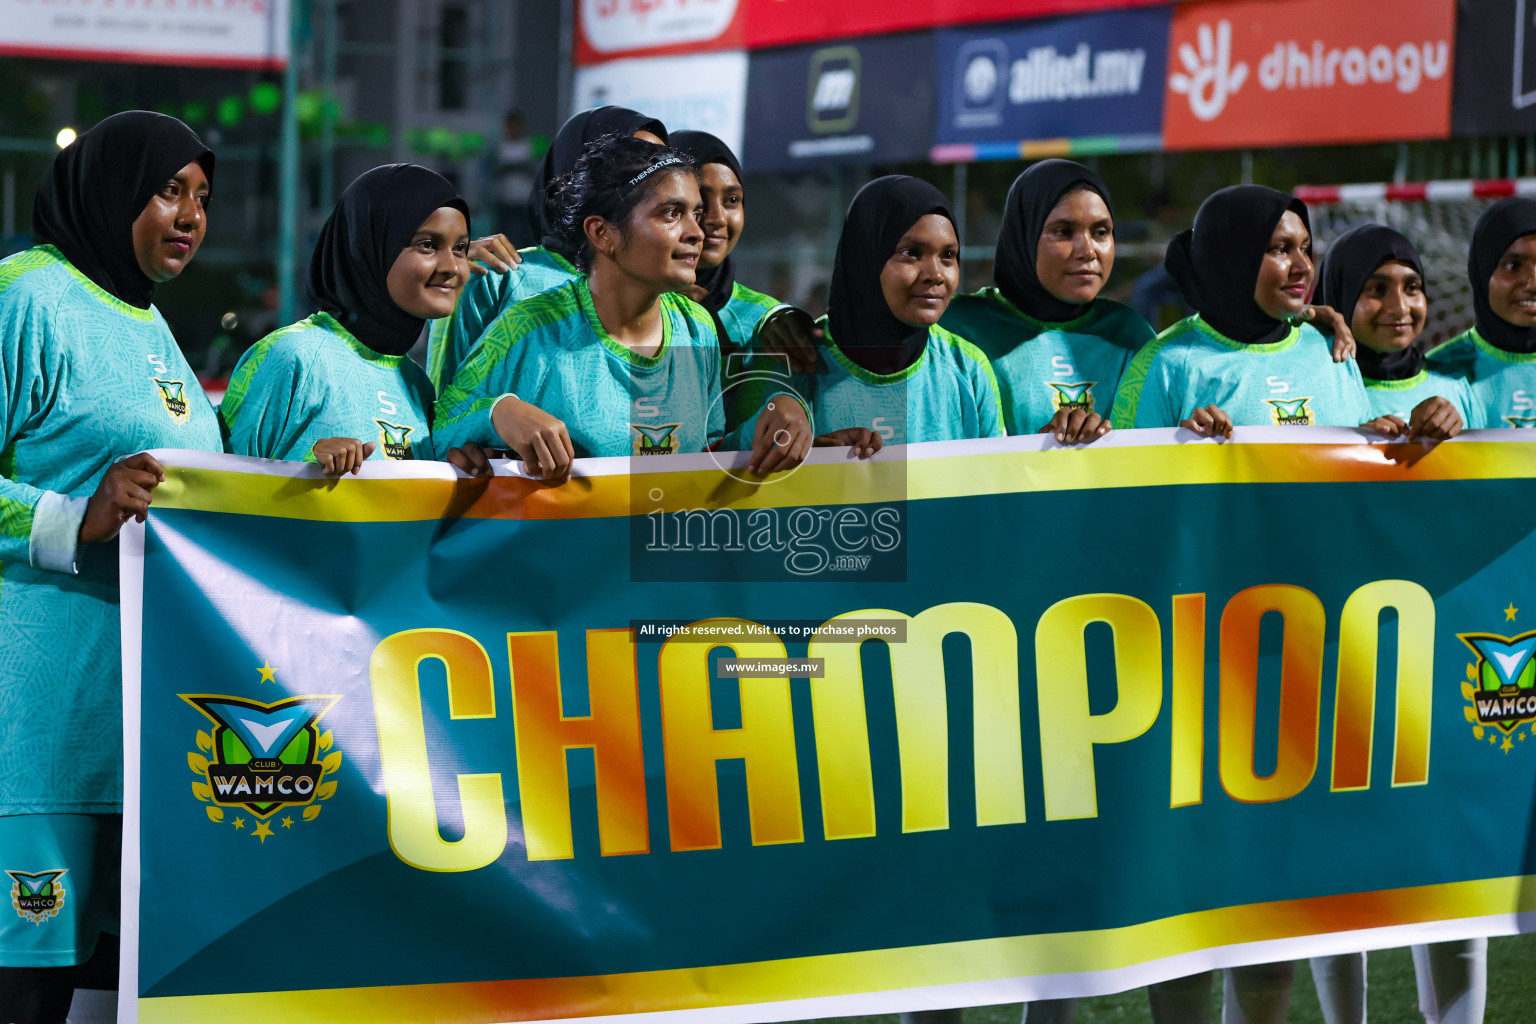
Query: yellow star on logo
x=1509 y=613
x=288 y=820
x=263 y=830
x=267 y=675
x=239 y=823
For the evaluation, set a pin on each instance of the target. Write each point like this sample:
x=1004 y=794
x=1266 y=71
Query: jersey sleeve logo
x=1293 y=412
x=395 y=440
x=174 y=394
x=656 y=440
x=1072 y=396
x=37 y=895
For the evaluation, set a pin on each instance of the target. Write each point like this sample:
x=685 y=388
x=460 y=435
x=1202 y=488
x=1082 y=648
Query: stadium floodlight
x=65 y=137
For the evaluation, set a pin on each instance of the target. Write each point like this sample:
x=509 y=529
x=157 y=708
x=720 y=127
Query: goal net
x=1436 y=216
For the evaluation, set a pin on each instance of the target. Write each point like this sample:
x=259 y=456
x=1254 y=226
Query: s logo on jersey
x=37 y=895
x=1072 y=396
x=1294 y=412
x=263 y=758
x=656 y=440
x=395 y=440
x=174 y=394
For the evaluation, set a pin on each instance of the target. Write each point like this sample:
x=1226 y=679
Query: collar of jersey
x=1498 y=353
x=994 y=294
x=555 y=258
x=858 y=372
x=618 y=350
x=327 y=322
x=97 y=291
x=1237 y=346
x=1404 y=384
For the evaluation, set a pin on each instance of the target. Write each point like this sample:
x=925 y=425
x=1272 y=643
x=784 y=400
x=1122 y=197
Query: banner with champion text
x=966 y=723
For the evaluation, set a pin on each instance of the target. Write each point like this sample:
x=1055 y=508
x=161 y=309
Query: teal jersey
x=85 y=380
x=742 y=313
x=313 y=380
x=554 y=353
x=484 y=298
x=1290 y=382
x=949 y=394
x=1503 y=384
x=1400 y=397
x=1042 y=367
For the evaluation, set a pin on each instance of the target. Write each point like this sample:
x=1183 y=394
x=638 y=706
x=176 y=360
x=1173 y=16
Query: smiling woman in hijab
x=738 y=308
x=542 y=267
x=889 y=374
x=1246 y=357
x=1058 y=348
x=1497 y=355
x=1373 y=274
x=337 y=387
x=566 y=374
x=91 y=376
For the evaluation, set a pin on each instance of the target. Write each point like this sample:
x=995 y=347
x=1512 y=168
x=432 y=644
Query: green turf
x=1393 y=998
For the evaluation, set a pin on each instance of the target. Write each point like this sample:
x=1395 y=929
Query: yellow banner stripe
x=840 y=974
x=859 y=483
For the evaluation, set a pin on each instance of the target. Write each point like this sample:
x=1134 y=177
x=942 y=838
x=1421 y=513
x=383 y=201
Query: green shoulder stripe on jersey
x=704 y=323
x=1199 y=324
x=741 y=293
x=15 y=516
x=1128 y=395
x=240 y=380
x=99 y=293
x=974 y=354
x=624 y=352
x=514 y=324
x=330 y=323
x=1464 y=338
x=1498 y=353
x=13 y=267
x=437 y=344
x=858 y=372
x=991 y=293
x=1407 y=384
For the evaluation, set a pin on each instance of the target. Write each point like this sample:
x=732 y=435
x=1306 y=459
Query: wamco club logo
x=37 y=895
x=269 y=761
x=1500 y=688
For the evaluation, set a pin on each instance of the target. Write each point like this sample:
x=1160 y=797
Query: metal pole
x=8 y=227
x=566 y=100
x=328 y=108
x=1247 y=167
x=1400 y=173
x=288 y=180
x=962 y=173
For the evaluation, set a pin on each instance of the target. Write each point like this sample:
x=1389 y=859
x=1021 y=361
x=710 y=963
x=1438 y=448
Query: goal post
x=1437 y=216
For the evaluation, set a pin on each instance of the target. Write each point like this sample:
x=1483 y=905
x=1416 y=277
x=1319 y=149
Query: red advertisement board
x=1308 y=72
x=624 y=28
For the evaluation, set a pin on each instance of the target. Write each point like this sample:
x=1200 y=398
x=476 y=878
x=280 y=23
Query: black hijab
x=1496 y=230
x=719 y=280
x=863 y=325
x=1352 y=258
x=1216 y=263
x=1030 y=201
x=100 y=183
x=375 y=219
x=573 y=136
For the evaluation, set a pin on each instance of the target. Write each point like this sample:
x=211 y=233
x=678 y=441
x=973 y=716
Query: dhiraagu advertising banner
x=405 y=747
